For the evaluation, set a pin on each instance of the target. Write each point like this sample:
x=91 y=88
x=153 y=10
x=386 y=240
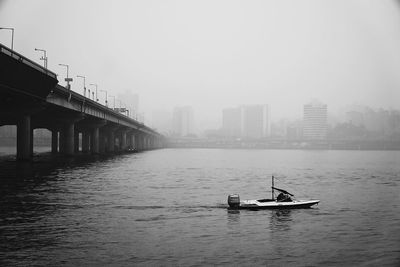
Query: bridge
x=31 y=98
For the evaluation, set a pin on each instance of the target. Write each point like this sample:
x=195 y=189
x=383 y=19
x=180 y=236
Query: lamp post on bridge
x=44 y=57
x=106 y=102
x=68 y=80
x=12 y=35
x=114 y=100
x=84 y=84
x=95 y=85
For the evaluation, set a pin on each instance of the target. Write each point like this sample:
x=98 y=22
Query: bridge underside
x=30 y=98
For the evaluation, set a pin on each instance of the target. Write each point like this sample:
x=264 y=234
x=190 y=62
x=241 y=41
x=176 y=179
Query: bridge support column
x=86 y=141
x=31 y=142
x=146 y=143
x=132 y=144
x=24 y=133
x=137 y=142
x=54 y=141
x=111 y=141
x=95 y=142
x=102 y=143
x=76 y=140
x=62 y=141
x=123 y=141
x=69 y=139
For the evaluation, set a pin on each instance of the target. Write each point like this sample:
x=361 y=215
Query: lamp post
x=68 y=80
x=12 y=35
x=84 y=84
x=114 y=100
x=44 y=57
x=106 y=102
x=95 y=85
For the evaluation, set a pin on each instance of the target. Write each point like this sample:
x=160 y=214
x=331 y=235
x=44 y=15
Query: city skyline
x=283 y=54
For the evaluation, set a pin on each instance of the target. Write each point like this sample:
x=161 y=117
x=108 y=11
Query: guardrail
x=11 y=53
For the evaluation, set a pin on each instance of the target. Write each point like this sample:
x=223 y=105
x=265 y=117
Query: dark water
x=168 y=207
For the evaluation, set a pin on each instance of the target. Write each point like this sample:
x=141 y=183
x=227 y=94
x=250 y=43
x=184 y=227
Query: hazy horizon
x=218 y=54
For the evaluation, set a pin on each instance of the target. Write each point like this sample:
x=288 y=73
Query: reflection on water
x=281 y=220
x=168 y=207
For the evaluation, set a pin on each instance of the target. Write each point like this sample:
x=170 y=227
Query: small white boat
x=285 y=200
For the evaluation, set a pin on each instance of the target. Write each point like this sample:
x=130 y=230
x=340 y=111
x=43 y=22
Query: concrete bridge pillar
x=62 y=141
x=69 y=141
x=147 y=143
x=132 y=144
x=151 y=142
x=102 y=142
x=31 y=142
x=110 y=141
x=76 y=140
x=54 y=141
x=95 y=142
x=24 y=133
x=138 y=142
x=86 y=141
x=123 y=140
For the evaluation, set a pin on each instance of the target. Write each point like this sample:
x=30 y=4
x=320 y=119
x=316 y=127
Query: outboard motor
x=234 y=201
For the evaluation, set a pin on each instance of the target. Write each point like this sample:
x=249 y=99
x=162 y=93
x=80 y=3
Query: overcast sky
x=216 y=54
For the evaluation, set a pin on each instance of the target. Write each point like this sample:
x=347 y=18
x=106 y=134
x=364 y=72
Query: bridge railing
x=7 y=51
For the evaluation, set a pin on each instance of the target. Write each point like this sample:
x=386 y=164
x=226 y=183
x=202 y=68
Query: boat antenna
x=273 y=196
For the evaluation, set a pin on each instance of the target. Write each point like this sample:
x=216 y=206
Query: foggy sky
x=217 y=54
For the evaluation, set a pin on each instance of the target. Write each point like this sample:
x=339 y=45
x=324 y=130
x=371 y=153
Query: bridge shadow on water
x=42 y=168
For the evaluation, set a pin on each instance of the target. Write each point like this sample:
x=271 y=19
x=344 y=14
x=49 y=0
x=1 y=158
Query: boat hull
x=256 y=205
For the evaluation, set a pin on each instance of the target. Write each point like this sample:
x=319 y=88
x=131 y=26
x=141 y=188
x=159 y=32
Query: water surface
x=168 y=207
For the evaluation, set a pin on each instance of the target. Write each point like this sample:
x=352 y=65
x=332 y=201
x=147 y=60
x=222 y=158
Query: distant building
x=315 y=125
x=183 y=121
x=256 y=121
x=252 y=121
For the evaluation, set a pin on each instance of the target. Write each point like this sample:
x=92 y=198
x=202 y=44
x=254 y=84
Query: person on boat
x=282 y=197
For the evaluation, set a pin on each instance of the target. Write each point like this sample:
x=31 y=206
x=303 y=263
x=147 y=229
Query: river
x=168 y=207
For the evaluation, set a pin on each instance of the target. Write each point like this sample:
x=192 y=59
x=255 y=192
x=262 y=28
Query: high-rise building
x=315 y=125
x=256 y=121
x=183 y=121
x=252 y=121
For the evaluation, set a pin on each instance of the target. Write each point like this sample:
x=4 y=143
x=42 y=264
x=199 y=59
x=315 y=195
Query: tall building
x=252 y=121
x=183 y=121
x=256 y=121
x=315 y=125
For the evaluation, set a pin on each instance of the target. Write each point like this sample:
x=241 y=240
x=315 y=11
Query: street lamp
x=12 y=35
x=114 y=100
x=44 y=57
x=97 y=100
x=106 y=96
x=68 y=80
x=84 y=84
